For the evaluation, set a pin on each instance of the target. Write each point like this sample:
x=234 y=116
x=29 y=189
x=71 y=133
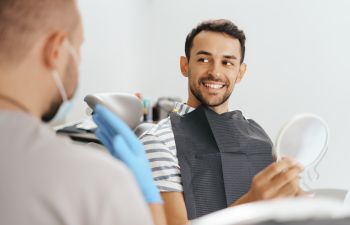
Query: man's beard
x=50 y=114
x=197 y=93
x=56 y=103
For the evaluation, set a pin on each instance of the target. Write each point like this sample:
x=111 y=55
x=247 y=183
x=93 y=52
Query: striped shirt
x=159 y=143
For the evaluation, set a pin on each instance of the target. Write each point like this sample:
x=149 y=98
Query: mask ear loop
x=59 y=85
x=72 y=51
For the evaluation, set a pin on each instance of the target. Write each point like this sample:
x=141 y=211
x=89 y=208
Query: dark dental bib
x=219 y=154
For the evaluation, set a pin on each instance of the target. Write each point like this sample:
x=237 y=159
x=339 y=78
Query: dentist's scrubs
x=45 y=179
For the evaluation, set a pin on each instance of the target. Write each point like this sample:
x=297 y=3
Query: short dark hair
x=219 y=26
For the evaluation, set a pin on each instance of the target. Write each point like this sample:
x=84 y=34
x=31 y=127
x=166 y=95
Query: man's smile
x=213 y=85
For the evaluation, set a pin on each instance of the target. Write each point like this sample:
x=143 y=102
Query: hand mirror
x=305 y=138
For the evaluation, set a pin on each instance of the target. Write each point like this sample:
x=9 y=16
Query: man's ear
x=184 y=65
x=53 y=49
x=241 y=73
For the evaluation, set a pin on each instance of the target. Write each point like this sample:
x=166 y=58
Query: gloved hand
x=125 y=146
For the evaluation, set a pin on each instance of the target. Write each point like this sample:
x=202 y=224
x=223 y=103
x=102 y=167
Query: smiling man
x=213 y=69
x=204 y=157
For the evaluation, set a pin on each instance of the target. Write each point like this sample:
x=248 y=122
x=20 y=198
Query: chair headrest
x=126 y=106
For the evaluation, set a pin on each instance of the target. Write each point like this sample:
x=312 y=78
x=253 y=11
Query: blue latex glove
x=125 y=146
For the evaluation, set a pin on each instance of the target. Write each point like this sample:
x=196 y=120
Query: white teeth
x=215 y=86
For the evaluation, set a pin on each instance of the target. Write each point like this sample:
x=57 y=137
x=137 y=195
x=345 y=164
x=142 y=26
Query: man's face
x=214 y=68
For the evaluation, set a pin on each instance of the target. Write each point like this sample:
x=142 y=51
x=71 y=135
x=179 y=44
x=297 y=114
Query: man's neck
x=8 y=103
x=17 y=95
x=13 y=103
x=218 y=109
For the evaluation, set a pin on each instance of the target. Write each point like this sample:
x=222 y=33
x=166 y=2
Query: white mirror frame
x=310 y=169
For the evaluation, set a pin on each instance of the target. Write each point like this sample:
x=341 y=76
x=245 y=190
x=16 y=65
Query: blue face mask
x=67 y=104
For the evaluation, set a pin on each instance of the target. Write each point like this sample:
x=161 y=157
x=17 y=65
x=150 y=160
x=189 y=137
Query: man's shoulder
x=30 y=140
x=89 y=157
x=249 y=120
x=256 y=127
x=83 y=174
x=160 y=148
x=253 y=123
x=160 y=131
x=163 y=129
x=87 y=168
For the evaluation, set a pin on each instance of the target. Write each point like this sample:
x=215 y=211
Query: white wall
x=297 y=56
x=112 y=47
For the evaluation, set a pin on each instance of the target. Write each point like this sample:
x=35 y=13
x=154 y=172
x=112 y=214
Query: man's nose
x=215 y=69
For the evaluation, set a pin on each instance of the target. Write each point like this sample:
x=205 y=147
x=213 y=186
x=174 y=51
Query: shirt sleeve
x=164 y=164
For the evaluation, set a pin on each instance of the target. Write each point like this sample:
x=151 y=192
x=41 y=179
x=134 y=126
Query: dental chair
x=126 y=106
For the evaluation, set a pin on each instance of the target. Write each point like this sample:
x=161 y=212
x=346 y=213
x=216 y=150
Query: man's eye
x=205 y=60
x=228 y=63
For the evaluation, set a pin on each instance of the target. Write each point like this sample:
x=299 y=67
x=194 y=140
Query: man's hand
x=124 y=145
x=278 y=180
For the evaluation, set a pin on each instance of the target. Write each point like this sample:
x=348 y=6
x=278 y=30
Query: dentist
x=46 y=179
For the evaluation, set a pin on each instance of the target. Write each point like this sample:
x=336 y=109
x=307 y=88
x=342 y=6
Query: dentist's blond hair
x=22 y=22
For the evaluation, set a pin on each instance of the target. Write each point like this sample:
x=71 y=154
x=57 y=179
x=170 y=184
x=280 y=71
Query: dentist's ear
x=242 y=71
x=53 y=49
x=184 y=66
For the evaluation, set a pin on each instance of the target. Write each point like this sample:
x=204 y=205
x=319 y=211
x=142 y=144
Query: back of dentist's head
x=24 y=22
x=39 y=47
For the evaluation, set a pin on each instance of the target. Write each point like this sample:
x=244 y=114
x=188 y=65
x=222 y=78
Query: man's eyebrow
x=230 y=57
x=201 y=52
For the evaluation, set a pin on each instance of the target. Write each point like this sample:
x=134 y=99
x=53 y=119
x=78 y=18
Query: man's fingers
x=104 y=127
x=112 y=120
x=290 y=189
x=280 y=183
x=105 y=140
x=274 y=169
x=116 y=146
x=104 y=117
x=278 y=179
x=122 y=149
x=286 y=177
